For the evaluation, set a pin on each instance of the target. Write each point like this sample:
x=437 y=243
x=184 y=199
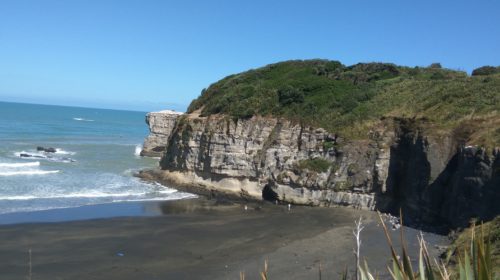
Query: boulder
x=46 y=149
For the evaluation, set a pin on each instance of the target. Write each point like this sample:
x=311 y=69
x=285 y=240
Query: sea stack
x=161 y=125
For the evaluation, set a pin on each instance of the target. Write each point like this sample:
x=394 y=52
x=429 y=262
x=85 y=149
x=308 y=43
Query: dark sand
x=197 y=239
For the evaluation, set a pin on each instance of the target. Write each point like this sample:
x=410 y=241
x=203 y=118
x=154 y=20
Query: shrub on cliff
x=485 y=70
x=289 y=95
x=351 y=100
x=436 y=65
x=316 y=165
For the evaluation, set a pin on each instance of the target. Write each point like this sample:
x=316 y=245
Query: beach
x=197 y=239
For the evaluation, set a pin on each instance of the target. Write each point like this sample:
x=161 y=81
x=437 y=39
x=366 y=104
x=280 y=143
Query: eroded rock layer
x=434 y=179
x=161 y=125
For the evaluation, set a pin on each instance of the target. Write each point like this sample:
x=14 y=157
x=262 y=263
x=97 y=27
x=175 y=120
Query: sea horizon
x=75 y=106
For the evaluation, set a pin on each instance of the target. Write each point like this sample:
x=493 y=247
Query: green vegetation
x=485 y=70
x=327 y=145
x=352 y=100
x=490 y=231
x=318 y=165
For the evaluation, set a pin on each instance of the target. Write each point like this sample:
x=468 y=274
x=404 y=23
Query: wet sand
x=198 y=239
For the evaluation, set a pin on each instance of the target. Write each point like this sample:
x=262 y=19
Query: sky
x=148 y=55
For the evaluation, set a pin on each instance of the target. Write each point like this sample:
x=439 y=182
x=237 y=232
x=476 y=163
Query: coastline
x=200 y=239
x=150 y=208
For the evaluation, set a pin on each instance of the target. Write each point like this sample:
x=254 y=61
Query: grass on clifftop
x=351 y=100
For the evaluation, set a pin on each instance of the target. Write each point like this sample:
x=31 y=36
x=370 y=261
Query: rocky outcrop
x=468 y=187
x=47 y=150
x=432 y=177
x=161 y=124
x=268 y=158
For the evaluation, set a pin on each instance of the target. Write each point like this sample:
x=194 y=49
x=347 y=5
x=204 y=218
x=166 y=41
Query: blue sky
x=149 y=55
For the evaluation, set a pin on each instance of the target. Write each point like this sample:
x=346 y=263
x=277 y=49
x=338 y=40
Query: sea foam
x=83 y=120
x=115 y=197
x=171 y=197
x=63 y=152
x=18 y=165
x=91 y=194
x=138 y=149
x=46 y=156
x=28 y=172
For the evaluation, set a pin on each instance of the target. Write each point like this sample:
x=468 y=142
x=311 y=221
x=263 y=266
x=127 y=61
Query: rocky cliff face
x=432 y=178
x=161 y=125
x=269 y=158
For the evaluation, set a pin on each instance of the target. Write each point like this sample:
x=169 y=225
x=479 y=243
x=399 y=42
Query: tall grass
x=474 y=263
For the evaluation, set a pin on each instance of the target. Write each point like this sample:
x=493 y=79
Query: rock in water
x=31 y=156
x=47 y=150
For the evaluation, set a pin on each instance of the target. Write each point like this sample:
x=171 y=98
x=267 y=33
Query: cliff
x=160 y=126
x=438 y=170
x=433 y=179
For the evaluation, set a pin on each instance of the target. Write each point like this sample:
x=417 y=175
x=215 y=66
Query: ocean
x=96 y=154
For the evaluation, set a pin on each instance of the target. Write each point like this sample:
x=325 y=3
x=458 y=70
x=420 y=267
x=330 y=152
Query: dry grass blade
x=389 y=241
x=443 y=271
x=425 y=265
x=263 y=274
x=365 y=273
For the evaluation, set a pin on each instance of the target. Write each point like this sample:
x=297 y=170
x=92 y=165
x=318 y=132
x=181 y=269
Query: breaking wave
x=99 y=189
x=45 y=156
x=63 y=152
x=23 y=168
x=83 y=120
x=138 y=149
x=17 y=165
x=134 y=196
x=27 y=172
